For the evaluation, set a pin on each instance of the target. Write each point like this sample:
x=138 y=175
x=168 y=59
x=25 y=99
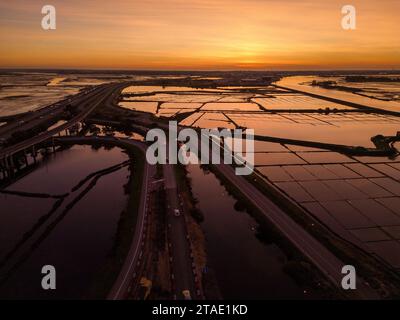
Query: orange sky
x=200 y=34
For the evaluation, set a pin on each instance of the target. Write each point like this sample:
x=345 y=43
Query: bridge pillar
x=8 y=168
x=12 y=165
x=25 y=158
x=3 y=169
x=34 y=153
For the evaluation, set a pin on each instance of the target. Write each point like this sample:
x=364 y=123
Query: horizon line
x=189 y=70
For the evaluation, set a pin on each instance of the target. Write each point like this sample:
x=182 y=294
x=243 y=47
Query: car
x=177 y=213
x=186 y=295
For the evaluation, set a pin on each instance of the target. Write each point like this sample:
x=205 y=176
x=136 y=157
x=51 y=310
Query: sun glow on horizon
x=200 y=34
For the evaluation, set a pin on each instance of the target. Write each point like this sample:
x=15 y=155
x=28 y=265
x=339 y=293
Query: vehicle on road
x=186 y=295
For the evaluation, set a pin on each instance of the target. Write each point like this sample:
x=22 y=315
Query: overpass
x=87 y=103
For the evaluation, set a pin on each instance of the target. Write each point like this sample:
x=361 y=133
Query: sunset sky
x=200 y=34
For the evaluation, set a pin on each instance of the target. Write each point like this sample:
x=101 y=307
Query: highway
x=87 y=103
x=30 y=119
x=180 y=251
x=182 y=268
x=320 y=256
x=181 y=263
x=310 y=247
x=183 y=278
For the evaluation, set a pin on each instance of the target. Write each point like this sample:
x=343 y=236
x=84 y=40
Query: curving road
x=122 y=285
x=123 y=282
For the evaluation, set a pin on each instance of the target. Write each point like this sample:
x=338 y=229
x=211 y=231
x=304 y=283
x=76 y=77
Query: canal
x=247 y=263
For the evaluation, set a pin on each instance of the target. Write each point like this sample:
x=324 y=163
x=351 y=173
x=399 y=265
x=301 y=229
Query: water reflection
x=300 y=83
x=75 y=233
x=247 y=263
